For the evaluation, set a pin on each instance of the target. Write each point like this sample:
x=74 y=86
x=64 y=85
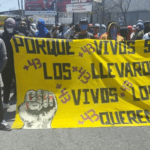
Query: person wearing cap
x=96 y=31
x=140 y=21
x=133 y=31
x=112 y=33
x=139 y=33
x=83 y=34
x=8 y=72
x=90 y=28
x=129 y=32
x=102 y=30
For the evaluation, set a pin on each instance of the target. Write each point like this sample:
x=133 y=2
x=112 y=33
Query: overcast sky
x=6 y=5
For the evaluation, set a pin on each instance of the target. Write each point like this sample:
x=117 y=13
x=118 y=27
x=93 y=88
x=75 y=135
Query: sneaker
x=5 y=106
x=4 y=126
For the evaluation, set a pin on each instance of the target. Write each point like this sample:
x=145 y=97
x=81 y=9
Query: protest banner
x=81 y=83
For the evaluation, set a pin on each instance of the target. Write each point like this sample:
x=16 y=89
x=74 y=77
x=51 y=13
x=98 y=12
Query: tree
x=123 y=5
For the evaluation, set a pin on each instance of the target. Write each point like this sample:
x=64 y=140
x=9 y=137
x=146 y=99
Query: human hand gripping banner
x=81 y=83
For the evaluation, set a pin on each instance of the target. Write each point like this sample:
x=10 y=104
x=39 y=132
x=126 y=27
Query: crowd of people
x=82 y=30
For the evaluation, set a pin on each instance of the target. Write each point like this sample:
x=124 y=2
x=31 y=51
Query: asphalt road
x=115 y=138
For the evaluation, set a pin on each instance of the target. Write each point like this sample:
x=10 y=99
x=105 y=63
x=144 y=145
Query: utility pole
x=103 y=8
x=18 y=4
x=22 y=8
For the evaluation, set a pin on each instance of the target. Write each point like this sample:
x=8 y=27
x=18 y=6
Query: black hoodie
x=6 y=38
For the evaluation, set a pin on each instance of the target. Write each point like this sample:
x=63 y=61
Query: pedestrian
x=63 y=28
x=146 y=27
x=55 y=30
x=42 y=30
x=146 y=30
x=139 y=33
x=133 y=31
x=96 y=28
x=3 y=60
x=8 y=73
x=23 y=28
x=102 y=30
x=112 y=33
x=90 y=28
x=83 y=34
x=129 y=32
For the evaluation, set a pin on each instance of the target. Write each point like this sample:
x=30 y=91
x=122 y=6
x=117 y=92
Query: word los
x=59 y=71
x=123 y=70
x=144 y=92
x=125 y=117
x=46 y=47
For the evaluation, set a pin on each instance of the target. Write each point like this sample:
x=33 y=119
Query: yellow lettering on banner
x=81 y=83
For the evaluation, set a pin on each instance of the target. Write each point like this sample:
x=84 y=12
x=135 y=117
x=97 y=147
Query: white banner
x=82 y=7
x=52 y=13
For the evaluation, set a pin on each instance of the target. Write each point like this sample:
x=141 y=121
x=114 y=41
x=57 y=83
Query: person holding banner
x=23 y=28
x=112 y=33
x=8 y=72
x=3 y=61
x=83 y=34
x=96 y=28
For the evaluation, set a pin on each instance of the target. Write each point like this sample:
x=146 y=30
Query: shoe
x=5 y=106
x=4 y=126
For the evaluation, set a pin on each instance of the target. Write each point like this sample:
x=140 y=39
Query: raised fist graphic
x=38 y=109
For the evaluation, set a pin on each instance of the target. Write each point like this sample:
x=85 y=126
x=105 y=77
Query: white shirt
x=146 y=36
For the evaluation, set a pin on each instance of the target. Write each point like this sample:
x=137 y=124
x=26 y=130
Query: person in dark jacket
x=8 y=72
x=139 y=33
x=3 y=61
x=23 y=28
x=83 y=34
x=43 y=31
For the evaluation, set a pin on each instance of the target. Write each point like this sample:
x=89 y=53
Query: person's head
x=9 y=25
x=41 y=24
x=113 y=30
x=139 y=21
x=65 y=27
x=90 y=28
x=134 y=28
x=102 y=29
x=23 y=27
x=83 y=24
x=33 y=26
x=96 y=28
x=146 y=26
x=77 y=29
x=129 y=28
x=139 y=26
